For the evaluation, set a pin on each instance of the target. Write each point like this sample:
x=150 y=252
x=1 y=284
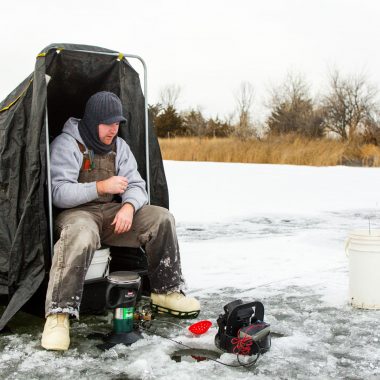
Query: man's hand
x=112 y=185
x=123 y=219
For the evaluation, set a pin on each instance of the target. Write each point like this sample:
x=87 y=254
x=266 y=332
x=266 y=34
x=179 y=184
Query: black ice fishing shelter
x=65 y=76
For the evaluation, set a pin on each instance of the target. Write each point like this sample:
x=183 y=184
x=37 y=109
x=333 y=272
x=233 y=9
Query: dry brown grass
x=275 y=150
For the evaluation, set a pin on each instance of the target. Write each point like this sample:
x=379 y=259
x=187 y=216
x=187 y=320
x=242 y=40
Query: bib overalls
x=82 y=230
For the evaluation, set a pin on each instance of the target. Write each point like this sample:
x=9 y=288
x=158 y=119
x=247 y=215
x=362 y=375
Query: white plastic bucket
x=363 y=251
x=99 y=264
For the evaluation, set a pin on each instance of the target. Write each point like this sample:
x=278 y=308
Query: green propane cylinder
x=123 y=319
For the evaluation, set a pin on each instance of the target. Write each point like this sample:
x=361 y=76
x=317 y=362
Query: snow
x=273 y=233
x=212 y=192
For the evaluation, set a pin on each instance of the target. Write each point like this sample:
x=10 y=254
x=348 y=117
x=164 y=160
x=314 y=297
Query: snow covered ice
x=273 y=233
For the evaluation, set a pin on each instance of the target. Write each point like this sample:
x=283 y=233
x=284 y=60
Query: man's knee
x=165 y=214
x=151 y=215
x=164 y=217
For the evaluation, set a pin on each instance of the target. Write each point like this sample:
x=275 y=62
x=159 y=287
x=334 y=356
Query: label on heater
x=256 y=331
x=124 y=313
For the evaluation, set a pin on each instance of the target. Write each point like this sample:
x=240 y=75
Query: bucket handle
x=107 y=266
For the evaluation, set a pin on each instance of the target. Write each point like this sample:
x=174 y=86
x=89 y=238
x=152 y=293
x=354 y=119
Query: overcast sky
x=208 y=47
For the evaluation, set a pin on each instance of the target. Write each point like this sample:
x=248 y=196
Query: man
x=89 y=166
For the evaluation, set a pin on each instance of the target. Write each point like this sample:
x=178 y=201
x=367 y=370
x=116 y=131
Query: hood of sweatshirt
x=71 y=128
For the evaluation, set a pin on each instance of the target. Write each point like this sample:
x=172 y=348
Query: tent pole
x=146 y=121
x=50 y=200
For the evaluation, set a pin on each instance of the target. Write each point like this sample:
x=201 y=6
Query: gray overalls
x=82 y=230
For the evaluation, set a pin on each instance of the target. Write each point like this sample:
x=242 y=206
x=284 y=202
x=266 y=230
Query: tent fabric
x=74 y=73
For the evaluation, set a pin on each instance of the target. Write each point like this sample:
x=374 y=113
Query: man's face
x=107 y=132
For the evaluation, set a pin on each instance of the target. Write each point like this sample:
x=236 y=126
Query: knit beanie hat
x=102 y=108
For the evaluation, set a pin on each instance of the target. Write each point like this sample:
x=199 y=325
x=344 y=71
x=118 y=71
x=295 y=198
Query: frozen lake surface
x=256 y=232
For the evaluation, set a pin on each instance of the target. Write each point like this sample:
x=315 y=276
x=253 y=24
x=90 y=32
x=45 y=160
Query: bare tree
x=167 y=121
x=169 y=95
x=349 y=104
x=244 y=100
x=292 y=88
x=371 y=133
x=194 y=122
x=292 y=109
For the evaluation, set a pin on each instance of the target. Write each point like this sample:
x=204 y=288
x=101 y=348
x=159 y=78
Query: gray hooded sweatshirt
x=66 y=161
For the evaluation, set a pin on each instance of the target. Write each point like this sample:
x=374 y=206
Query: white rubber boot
x=176 y=304
x=56 y=335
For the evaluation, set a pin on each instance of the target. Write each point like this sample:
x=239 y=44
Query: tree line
x=348 y=109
